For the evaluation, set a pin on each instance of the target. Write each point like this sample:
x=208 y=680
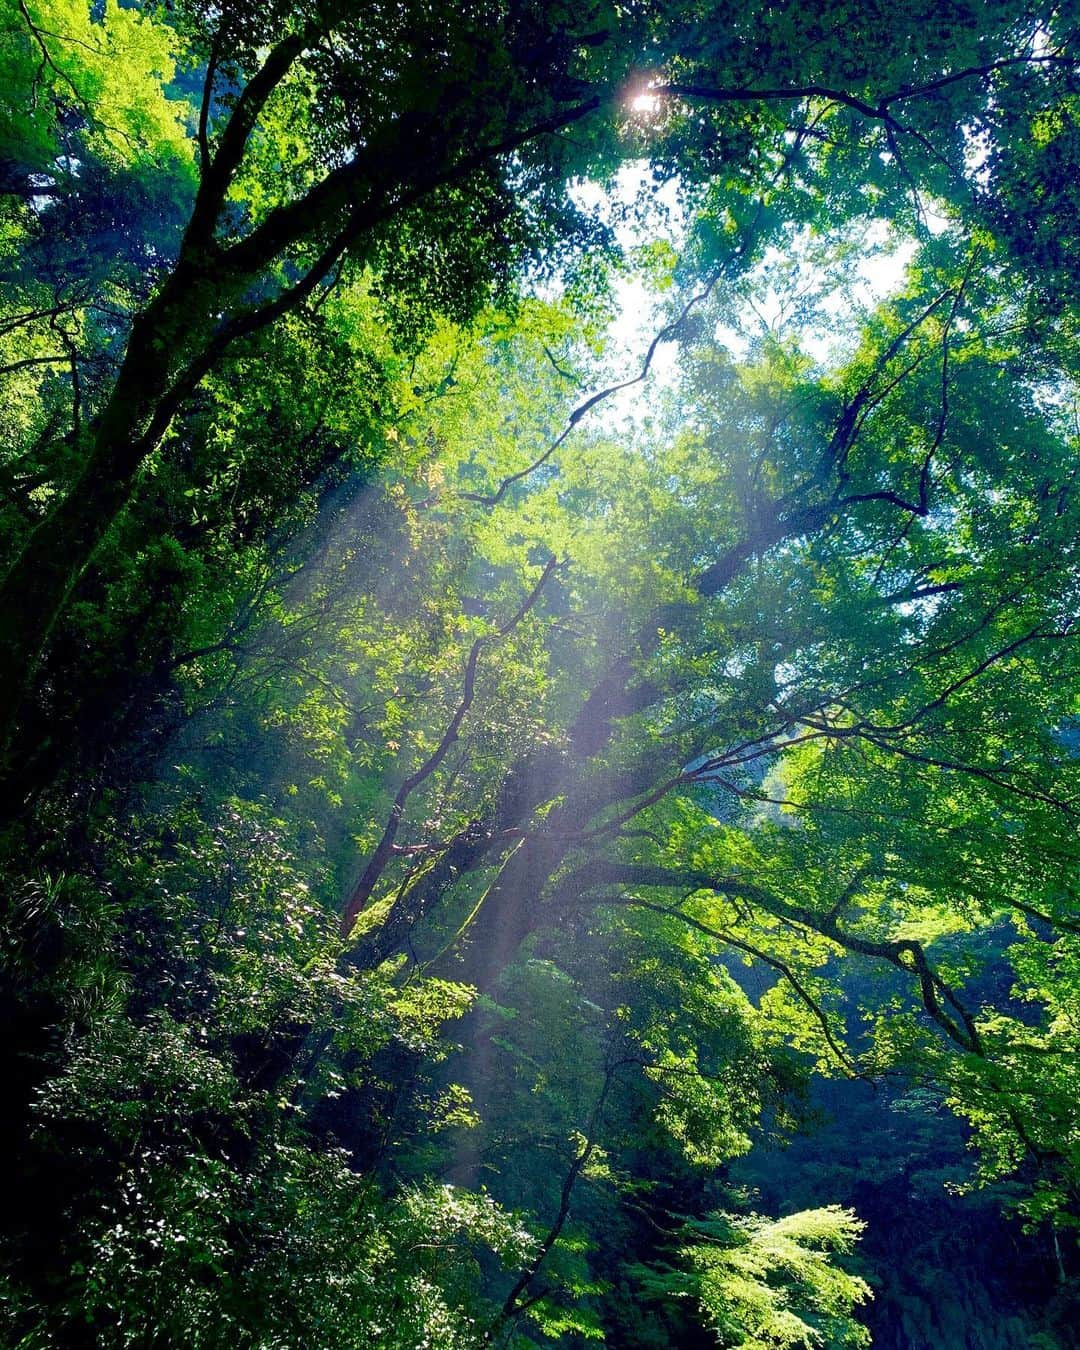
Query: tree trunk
x=59 y=549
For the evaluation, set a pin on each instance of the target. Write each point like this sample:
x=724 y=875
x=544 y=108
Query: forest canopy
x=540 y=757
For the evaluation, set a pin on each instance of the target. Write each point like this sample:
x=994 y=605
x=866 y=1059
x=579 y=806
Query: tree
x=467 y=138
x=377 y=934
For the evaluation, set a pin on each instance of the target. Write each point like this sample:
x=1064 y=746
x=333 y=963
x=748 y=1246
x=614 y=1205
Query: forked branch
x=384 y=849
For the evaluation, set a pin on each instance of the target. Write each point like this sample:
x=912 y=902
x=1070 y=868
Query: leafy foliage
x=765 y=1283
x=451 y=827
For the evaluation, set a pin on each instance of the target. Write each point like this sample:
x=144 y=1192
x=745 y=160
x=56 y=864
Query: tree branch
x=581 y=1159
x=665 y=334
x=377 y=864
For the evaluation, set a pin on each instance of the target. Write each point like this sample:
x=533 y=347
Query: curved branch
x=781 y=967
x=665 y=334
x=905 y=954
x=384 y=849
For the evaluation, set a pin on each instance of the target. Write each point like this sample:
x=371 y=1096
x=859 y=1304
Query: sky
x=877 y=271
